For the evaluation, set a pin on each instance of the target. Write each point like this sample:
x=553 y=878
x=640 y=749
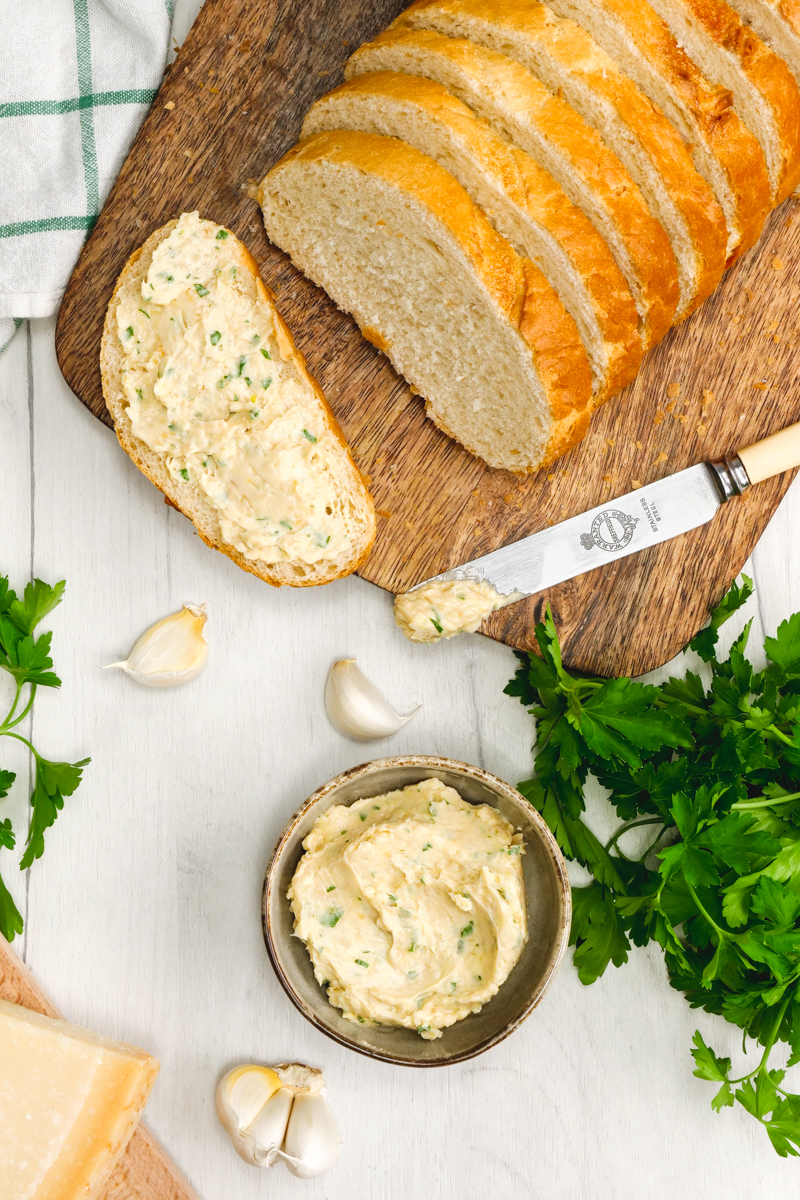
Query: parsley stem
x=769 y=1043
x=7 y=725
x=10 y=713
x=765 y=803
x=20 y=738
x=653 y=844
x=722 y=932
x=777 y=734
x=632 y=825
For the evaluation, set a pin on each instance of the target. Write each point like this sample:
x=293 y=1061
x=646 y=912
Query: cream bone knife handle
x=777 y=453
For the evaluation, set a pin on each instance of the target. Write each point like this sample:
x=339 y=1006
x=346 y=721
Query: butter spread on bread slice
x=211 y=398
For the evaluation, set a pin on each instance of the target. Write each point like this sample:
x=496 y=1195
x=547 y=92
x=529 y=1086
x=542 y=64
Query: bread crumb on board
x=674 y=390
x=777 y=264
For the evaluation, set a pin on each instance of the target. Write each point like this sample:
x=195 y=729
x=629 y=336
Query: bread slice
x=726 y=153
x=765 y=93
x=525 y=114
x=522 y=201
x=565 y=58
x=475 y=329
x=315 y=476
x=777 y=22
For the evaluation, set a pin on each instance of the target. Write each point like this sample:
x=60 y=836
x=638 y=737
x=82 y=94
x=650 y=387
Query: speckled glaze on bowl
x=548 y=902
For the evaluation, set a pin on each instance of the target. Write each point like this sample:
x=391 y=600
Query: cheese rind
x=69 y=1102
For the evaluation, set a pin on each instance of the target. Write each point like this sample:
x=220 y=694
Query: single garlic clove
x=312 y=1142
x=171 y=652
x=269 y=1126
x=241 y=1095
x=355 y=706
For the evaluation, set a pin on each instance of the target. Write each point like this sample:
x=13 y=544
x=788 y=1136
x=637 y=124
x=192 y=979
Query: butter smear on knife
x=442 y=608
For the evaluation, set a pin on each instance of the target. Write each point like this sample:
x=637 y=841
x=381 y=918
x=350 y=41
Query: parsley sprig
x=27 y=660
x=713 y=769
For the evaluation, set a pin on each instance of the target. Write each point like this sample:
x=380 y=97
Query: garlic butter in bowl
x=416 y=909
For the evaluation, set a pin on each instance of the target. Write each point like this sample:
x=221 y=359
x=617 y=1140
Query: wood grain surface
x=230 y=106
x=144 y=1171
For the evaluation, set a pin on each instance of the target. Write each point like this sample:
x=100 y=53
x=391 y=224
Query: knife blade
x=651 y=514
x=642 y=518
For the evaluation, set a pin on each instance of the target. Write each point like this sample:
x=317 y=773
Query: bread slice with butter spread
x=213 y=402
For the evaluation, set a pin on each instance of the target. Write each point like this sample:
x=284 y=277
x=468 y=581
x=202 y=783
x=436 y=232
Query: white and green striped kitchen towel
x=76 y=80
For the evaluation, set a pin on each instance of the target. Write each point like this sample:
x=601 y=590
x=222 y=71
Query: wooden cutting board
x=231 y=105
x=144 y=1172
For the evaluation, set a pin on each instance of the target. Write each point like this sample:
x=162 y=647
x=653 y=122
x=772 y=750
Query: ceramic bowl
x=547 y=894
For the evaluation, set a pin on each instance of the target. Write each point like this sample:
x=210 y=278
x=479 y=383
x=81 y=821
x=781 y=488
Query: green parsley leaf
x=707 y=774
x=27 y=660
x=705 y=641
x=54 y=781
x=10 y=918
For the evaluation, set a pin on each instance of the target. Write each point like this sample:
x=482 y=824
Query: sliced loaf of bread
x=212 y=401
x=723 y=149
x=477 y=330
x=765 y=93
x=777 y=22
x=527 y=115
x=521 y=199
x=568 y=61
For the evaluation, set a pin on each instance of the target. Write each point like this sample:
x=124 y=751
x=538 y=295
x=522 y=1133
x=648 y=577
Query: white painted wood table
x=142 y=919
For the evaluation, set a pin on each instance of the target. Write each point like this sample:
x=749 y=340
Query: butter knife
x=633 y=522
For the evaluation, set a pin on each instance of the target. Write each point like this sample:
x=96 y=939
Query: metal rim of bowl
x=511 y=793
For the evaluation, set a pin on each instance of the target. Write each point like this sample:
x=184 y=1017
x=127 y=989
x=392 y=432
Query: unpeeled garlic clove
x=268 y=1127
x=287 y=1115
x=355 y=706
x=241 y=1095
x=313 y=1141
x=171 y=652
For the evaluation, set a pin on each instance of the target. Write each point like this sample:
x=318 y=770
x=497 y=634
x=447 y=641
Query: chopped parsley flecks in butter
x=443 y=608
x=411 y=906
x=209 y=388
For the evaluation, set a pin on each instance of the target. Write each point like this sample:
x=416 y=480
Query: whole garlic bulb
x=279 y=1114
x=171 y=652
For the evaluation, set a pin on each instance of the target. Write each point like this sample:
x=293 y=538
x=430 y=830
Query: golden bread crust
x=644 y=238
x=579 y=57
x=520 y=291
x=528 y=186
x=183 y=496
x=730 y=141
x=766 y=71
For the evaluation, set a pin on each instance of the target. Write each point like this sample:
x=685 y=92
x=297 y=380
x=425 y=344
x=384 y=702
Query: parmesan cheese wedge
x=69 y=1102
